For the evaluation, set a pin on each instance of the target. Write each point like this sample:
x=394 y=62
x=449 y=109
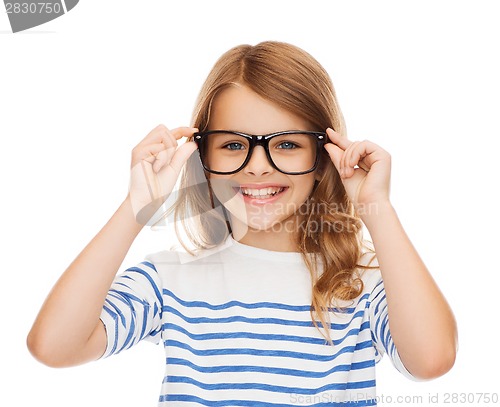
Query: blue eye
x=234 y=146
x=287 y=145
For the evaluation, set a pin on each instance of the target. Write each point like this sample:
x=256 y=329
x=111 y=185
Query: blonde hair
x=291 y=78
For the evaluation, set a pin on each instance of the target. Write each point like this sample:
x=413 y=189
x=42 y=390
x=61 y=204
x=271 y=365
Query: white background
x=419 y=78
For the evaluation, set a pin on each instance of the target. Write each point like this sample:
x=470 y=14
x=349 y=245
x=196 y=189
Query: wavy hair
x=292 y=79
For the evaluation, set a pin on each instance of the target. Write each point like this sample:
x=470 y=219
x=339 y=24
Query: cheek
x=302 y=188
x=222 y=188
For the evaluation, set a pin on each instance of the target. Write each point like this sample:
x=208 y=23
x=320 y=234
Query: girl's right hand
x=156 y=164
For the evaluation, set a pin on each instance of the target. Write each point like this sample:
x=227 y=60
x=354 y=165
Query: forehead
x=241 y=109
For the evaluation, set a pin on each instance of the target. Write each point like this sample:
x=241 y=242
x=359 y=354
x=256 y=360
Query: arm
x=68 y=330
x=422 y=325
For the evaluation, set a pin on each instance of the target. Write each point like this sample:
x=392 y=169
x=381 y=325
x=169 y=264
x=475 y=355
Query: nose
x=259 y=164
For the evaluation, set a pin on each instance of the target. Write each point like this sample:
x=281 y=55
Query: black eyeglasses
x=293 y=152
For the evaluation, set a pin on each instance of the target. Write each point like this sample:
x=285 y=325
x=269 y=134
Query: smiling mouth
x=261 y=193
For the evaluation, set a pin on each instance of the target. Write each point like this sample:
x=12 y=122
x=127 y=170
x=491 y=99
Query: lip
x=265 y=185
x=258 y=201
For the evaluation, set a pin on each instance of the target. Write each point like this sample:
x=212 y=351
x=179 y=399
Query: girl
x=280 y=302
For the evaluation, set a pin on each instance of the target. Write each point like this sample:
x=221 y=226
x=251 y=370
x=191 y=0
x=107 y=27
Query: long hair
x=329 y=234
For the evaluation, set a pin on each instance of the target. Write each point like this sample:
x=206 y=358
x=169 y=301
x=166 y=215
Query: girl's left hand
x=370 y=183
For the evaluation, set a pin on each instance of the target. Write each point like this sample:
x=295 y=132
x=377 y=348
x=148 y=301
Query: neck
x=278 y=238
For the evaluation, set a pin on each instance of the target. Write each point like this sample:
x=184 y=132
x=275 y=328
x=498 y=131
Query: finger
x=363 y=166
x=335 y=153
x=180 y=157
x=163 y=157
x=338 y=139
x=155 y=135
x=147 y=152
x=170 y=138
x=348 y=163
x=180 y=132
x=367 y=152
x=166 y=155
x=161 y=133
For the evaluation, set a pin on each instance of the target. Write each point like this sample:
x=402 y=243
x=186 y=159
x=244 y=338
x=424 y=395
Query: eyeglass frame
x=262 y=140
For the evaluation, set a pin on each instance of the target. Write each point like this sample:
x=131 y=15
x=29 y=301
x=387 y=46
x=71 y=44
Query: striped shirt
x=236 y=327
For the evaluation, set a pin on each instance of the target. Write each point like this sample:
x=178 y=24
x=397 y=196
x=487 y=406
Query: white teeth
x=264 y=192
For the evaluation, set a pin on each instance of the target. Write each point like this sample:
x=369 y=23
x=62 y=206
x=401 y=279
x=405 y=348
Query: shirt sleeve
x=132 y=309
x=380 y=330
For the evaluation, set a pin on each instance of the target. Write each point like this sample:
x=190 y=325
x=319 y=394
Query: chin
x=272 y=224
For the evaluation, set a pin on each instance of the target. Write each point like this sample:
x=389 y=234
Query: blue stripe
x=384 y=332
x=252 y=403
x=130 y=334
x=378 y=287
x=271 y=370
x=271 y=388
x=114 y=315
x=123 y=321
x=127 y=299
x=273 y=305
x=149 y=264
x=155 y=332
x=238 y=318
x=376 y=294
x=118 y=311
x=374 y=340
x=379 y=303
x=378 y=327
x=126 y=296
x=264 y=337
x=268 y=353
x=144 y=321
x=149 y=278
